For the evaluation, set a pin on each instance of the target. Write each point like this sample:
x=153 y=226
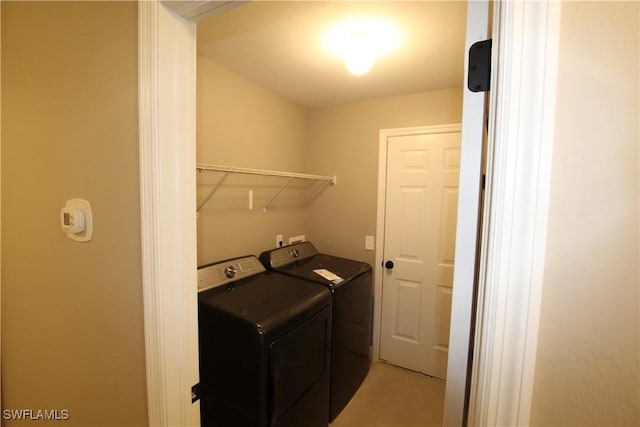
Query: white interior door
x=419 y=242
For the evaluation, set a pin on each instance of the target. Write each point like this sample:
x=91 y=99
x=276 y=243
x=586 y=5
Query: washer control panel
x=224 y=272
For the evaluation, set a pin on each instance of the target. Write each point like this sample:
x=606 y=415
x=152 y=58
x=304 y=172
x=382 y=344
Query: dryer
x=264 y=346
x=351 y=285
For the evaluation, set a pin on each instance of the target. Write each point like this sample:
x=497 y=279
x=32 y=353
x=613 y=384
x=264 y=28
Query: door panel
x=420 y=224
x=412 y=205
x=444 y=307
x=407 y=311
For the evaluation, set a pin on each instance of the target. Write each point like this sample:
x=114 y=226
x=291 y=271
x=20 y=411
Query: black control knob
x=388 y=265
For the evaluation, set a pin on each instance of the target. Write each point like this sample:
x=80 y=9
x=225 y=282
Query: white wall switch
x=279 y=241
x=369 y=243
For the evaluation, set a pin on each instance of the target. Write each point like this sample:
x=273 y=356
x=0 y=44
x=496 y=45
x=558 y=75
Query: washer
x=264 y=344
x=351 y=285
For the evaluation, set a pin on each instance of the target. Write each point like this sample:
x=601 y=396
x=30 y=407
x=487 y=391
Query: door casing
x=525 y=61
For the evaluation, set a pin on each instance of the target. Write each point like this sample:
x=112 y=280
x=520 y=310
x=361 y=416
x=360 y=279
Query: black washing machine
x=351 y=285
x=264 y=344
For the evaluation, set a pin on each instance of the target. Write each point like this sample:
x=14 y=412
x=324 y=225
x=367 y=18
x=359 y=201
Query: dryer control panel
x=288 y=254
x=224 y=272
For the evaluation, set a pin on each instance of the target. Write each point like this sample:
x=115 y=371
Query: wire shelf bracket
x=227 y=170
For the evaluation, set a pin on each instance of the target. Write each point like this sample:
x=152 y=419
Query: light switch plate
x=369 y=243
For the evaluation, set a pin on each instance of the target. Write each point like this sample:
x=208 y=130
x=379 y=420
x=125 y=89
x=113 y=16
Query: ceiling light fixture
x=360 y=42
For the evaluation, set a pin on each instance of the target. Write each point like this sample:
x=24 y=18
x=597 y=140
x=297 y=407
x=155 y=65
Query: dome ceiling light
x=360 y=42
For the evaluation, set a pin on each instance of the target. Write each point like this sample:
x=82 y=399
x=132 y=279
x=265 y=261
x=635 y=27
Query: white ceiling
x=279 y=45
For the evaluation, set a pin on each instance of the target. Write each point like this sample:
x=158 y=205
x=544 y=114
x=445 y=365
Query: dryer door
x=299 y=366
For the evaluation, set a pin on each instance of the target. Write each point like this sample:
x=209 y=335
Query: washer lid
x=266 y=300
x=313 y=269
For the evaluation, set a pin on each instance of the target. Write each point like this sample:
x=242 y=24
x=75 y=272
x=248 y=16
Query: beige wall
x=343 y=140
x=72 y=314
x=242 y=124
x=587 y=364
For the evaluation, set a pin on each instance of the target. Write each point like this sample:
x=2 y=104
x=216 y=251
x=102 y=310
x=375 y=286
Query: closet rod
x=233 y=169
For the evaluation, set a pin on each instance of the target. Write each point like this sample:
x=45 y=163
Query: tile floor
x=394 y=397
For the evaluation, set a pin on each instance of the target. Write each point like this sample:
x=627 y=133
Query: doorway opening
x=167 y=152
x=331 y=129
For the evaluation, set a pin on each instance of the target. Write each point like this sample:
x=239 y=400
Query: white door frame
x=521 y=135
x=519 y=160
x=167 y=61
x=467 y=230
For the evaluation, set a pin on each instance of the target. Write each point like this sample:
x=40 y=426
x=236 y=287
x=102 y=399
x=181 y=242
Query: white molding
x=0 y=209
x=467 y=231
x=518 y=179
x=167 y=185
x=501 y=392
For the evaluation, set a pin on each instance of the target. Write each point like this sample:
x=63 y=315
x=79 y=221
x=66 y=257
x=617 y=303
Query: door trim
x=521 y=136
x=384 y=135
x=167 y=83
x=174 y=339
x=467 y=250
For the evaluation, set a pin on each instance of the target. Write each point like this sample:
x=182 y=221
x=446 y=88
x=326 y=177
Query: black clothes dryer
x=264 y=345
x=351 y=285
